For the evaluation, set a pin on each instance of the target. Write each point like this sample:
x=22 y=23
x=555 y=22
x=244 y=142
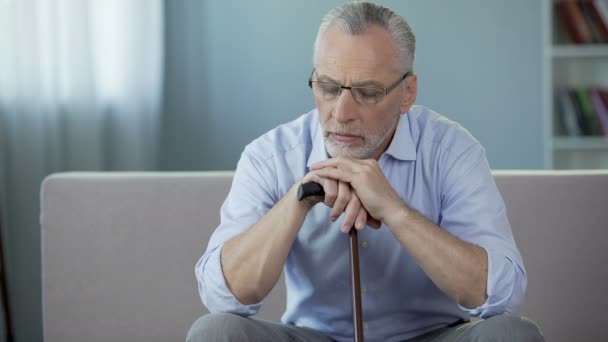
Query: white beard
x=371 y=142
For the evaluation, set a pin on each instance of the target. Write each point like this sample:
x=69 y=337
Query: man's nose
x=345 y=106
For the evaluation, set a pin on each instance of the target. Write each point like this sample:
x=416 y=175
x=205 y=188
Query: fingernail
x=332 y=218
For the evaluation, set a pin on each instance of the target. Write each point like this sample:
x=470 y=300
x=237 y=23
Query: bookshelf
x=567 y=65
x=577 y=144
x=573 y=51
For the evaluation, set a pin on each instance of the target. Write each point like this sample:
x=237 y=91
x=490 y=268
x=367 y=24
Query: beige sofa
x=119 y=251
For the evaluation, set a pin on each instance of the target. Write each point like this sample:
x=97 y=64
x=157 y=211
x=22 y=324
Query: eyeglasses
x=362 y=94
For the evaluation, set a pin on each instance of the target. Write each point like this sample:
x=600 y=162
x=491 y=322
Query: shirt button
x=363 y=289
x=364 y=325
x=363 y=244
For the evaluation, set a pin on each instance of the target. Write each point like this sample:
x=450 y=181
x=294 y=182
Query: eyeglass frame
x=387 y=90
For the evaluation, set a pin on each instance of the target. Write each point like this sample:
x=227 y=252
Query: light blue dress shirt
x=436 y=167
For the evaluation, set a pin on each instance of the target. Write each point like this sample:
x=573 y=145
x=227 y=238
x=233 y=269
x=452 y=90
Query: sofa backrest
x=119 y=251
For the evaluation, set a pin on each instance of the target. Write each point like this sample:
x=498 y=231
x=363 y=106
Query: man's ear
x=411 y=91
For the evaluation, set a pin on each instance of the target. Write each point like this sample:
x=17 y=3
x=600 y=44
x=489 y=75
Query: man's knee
x=507 y=328
x=217 y=327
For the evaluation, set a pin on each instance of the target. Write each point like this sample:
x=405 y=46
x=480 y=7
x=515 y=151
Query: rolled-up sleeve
x=506 y=286
x=474 y=211
x=250 y=197
x=213 y=289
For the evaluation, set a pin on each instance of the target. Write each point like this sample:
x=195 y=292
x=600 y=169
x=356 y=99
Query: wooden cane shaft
x=356 y=285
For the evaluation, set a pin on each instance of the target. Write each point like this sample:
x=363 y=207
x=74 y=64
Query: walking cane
x=8 y=325
x=314 y=189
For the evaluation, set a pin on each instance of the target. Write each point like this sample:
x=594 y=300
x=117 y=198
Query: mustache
x=342 y=130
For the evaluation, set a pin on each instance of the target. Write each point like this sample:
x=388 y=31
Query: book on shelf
x=581 y=111
x=596 y=35
x=600 y=102
x=578 y=112
x=566 y=123
x=599 y=13
x=587 y=111
x=583 y=21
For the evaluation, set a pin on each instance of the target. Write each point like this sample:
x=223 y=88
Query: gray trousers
x=229 y=327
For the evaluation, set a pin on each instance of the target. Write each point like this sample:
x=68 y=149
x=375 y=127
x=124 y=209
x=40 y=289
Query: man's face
x=360 y=130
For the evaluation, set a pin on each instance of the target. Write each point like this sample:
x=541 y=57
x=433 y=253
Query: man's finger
x=350 y=214
x=333 y=173
x=361 y=219
x=343 y=163
x=341 y=201
x=330 y=186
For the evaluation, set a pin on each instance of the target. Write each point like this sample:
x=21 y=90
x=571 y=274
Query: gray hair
x=355 y=17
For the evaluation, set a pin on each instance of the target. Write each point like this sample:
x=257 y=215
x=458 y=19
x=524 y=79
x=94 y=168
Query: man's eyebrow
x=325 y=78
x=365 y=83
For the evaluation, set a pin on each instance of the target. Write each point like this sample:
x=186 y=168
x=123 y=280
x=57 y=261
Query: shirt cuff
x=213 y=289
x=506 y=286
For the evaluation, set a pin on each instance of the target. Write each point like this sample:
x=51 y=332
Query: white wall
x=236 y=69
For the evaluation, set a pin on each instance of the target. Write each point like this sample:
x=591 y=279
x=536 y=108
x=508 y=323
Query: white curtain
x=80 y=89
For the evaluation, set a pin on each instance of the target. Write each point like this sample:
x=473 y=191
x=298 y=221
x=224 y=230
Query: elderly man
x=436 y=246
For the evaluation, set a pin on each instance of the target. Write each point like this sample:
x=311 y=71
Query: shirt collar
x=318 y=153
x=402 y=146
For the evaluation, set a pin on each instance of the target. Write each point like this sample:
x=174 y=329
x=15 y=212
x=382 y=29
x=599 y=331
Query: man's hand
x=369 y=183
x=458 y=268
x=342 y=199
